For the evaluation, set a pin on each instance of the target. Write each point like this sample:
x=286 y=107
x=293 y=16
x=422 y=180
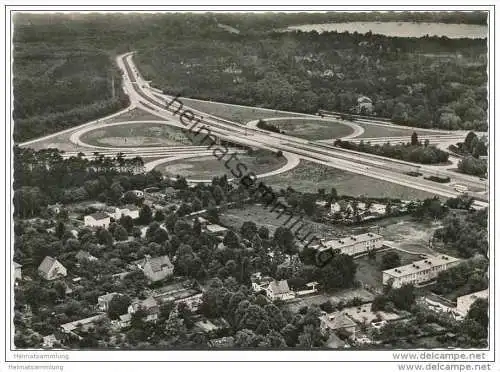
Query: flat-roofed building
x=465 y=302
x=353 y=245
x=418 y=271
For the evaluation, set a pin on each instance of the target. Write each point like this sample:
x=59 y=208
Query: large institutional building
x=418 y=271
x=353 y=245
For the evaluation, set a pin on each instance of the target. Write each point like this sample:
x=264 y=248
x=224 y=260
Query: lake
x=401 y=29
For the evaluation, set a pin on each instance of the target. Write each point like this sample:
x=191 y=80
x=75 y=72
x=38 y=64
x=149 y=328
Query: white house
x=157 y=268
x=279 y=291
x=51 y=269
x=16 y=268
x=419 y=271
x=465 y=302
x=138 y=193
x=98 y=219
x=104 y=300
x=129 y=210
x=365 y=105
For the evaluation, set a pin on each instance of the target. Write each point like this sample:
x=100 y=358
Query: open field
x=265 y=217
x=136 y=114
x=240 y=114
x=62 y=141
x=137 y=135
x=407 y=233
x=369 y=272
x=207 y=167
x=372 y=131
x=309 y=177
x=313 y=129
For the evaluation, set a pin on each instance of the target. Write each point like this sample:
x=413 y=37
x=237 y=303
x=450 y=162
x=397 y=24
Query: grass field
x=370 y=271
x=313 y=129
x=136 y=114
x=309 y=177
x=135 y=135
x=407 y=233
x=207 y=167
x=240 y=114
x=372 y=131
x=265 y=217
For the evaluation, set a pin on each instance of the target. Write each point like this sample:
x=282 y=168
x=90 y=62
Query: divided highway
x=366 y=164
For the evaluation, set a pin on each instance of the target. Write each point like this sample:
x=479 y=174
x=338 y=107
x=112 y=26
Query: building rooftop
x=421 y=265
x=82 y=322
x=280 y=287
x=474 y=296
x=47 y=264
x=158 y=263
x=338 y=320
x=348 y=241
x=99 y=215
x=213 y=228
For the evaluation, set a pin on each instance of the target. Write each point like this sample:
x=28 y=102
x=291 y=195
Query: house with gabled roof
x=51 y=269
x=279 y=290
x=156 y=268
x=104 y=300
x=149 y=305
x=97 y=219
x=84 y=255
x=335 y=322
x=16 y=268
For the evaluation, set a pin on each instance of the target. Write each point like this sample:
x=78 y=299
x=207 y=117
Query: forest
x=64 y=71
x=421 y=82
x=413 y=152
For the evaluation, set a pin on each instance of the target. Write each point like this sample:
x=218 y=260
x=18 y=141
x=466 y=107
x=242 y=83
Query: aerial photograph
x=250 y=181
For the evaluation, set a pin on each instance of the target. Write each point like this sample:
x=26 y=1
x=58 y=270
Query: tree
x=414 y=139
x=120 y=233
x=159 y=216
x=284 y=238
x=118 y=306
x=145 y=215
x=248 y=230
x=231 y=240
x=478 y=312
x=390 y=260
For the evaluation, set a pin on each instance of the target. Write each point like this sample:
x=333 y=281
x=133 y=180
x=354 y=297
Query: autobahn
x=356 y=162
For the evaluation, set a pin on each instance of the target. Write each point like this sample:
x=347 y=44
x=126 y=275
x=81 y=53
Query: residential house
x=129 y=210
x=98 y=219
x=222 y=343
x=82 y=324
x=149 y=305
x=104 y=300
x=138 y=193
x=84 y=255
x=156 y=268
x=125 y=320
x=215 y=230
x=418 y=272
x=16 y=268
x=49 y=341
x=465 y=302
x=279 y=290
x=51 y=269
x=259 y=282
x=335 y=322
x=365 y=105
